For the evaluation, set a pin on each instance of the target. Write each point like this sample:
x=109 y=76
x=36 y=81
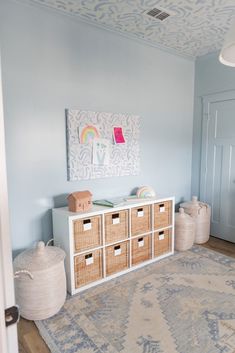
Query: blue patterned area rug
x=183 y=304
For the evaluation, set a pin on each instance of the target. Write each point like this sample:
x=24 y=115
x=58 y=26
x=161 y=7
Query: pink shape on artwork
x=118 y=135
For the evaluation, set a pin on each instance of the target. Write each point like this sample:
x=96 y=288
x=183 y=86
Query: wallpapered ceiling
x=197 y=27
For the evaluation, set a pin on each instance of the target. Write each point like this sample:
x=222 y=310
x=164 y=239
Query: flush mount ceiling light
x=227 y=54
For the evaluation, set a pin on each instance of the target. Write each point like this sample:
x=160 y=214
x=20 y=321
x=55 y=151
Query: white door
x=218 y=163
x=8 y=335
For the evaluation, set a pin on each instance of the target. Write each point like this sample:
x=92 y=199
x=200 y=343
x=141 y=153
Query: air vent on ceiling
x=158 y=14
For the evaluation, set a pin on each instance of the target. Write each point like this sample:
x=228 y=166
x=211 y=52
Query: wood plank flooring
x=222 y=246
x=31 y=342
x=29 y=339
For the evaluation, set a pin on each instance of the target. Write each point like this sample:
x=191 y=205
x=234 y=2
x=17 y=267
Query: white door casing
x=217 y=184
x=8 y=336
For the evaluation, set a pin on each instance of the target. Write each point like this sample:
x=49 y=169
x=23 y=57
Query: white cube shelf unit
x=105 y=242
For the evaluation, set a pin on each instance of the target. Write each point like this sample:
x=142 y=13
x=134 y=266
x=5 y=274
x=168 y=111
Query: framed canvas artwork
x=101 y=144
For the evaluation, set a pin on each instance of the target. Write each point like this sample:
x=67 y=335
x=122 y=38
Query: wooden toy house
x=80 y=201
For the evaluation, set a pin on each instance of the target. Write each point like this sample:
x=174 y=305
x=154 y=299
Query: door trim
x=8 y=341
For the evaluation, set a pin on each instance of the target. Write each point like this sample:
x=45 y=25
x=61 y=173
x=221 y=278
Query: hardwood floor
x=222 y=246
x=29 y=339
x=31 y=342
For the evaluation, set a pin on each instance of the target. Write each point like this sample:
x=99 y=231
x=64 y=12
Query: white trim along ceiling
x=194 y=27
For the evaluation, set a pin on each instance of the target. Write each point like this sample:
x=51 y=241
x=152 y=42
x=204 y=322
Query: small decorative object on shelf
x=201 y=214
x=145 y=192
x=184 y=231
x=113 y=202
x=80 y=201
x=40 y=282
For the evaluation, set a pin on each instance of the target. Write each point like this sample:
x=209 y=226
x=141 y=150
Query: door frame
x=206 y=102
x=8 y=335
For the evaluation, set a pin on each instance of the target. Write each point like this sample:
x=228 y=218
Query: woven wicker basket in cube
x=88 y=267
x=162 y=214
x=117 y=258
x=162 y=242
x=87 y=233
x=141 y=249
x=116 y=226
x=140 y=220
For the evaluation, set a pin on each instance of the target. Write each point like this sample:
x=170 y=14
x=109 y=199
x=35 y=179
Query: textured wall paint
x=210 y=77
x=51 y=62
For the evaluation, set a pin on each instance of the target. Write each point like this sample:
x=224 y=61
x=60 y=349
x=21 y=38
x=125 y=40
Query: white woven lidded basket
x=184 y=231
x=201 y=213
x=40 y=282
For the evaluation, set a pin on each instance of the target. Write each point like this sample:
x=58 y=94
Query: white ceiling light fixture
x=227 y=54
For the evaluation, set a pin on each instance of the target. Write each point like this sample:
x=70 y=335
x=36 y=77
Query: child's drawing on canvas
x=101 y=152
x=118 y=135
x=87 y=133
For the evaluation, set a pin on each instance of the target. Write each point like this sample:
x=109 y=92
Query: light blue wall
x=51 y=62
x=210 y=77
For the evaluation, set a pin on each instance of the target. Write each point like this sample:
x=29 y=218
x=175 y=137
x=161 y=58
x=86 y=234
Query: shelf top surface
x=104 y=209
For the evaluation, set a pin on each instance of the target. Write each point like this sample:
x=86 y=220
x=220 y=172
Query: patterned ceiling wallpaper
x=197 y=27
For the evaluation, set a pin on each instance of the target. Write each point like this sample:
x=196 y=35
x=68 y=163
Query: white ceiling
x=197 y=27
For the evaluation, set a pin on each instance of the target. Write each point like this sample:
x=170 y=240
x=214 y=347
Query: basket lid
x=194 y=204
x=40 y=258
